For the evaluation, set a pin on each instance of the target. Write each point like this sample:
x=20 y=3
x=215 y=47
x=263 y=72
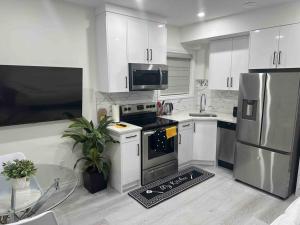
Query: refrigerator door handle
x=279 y=58
x=274 y=58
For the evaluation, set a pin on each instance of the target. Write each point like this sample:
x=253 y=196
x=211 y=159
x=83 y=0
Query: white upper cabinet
x=275 y=47
x=289 y=46
x=147 y=42
x=116 y=53
x=112 y=64
x=228 y=58
x=157 y=43
x=122 y=39
x=220 y=64
x=240 y=60
x=263 y=48
x=137 y=41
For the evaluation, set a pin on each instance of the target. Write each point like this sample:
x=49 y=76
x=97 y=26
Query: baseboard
x=197 y=163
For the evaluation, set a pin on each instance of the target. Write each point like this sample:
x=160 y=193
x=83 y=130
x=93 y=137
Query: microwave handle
x=161 y=75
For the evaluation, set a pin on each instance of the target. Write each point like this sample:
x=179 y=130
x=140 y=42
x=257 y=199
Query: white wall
x=47 y=33
x=241 y=23
x=173 y=40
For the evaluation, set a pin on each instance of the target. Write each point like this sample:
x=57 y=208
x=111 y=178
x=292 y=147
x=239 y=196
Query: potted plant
x=19 y=172
x=94 y=141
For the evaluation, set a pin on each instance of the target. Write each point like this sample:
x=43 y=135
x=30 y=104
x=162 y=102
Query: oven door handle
x=149 y=133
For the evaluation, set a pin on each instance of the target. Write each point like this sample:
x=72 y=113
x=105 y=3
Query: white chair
x=46 y=218
x=10 y=157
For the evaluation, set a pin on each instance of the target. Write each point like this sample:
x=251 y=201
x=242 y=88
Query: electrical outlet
x=203 y=82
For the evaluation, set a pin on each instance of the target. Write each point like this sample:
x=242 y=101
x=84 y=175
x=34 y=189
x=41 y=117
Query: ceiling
x=183 y=12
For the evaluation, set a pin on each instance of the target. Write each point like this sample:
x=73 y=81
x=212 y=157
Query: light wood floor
x=217 y=201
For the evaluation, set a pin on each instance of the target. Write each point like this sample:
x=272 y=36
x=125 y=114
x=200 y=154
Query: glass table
x=51 y=185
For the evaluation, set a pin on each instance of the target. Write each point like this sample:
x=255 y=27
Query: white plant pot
x=20 y=183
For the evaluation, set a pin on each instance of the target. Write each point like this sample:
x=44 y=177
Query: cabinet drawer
x=135 y=136
x=186 y=125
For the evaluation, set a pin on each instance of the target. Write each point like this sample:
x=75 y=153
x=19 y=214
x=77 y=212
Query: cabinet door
x=289 y=46
x=137 y=41
x=117 y=52
x=131 y=162
x=185 y=146
x=240 y=60
x=264 y=48
x=205 y=141
x=220 y=64
x=157 y=43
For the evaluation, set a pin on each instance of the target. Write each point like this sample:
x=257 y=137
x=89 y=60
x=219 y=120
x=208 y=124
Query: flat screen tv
x=31 y=94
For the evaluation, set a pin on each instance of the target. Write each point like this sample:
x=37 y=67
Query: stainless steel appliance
x=168 y=108
x=226 y=142
x=268 y=131
x=145 y=77
x=155 y=164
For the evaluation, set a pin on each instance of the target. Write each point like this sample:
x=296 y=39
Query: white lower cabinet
x=185 y=142
x=125 y=157
x=205 y=142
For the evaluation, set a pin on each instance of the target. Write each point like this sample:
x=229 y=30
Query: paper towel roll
x=115 y=113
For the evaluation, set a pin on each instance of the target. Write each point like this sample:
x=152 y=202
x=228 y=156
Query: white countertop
x=184 y=117
x=180 y=117
x=124 y=130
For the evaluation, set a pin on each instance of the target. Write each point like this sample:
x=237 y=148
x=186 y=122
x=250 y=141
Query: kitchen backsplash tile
x=221 y=101
x=105 y=100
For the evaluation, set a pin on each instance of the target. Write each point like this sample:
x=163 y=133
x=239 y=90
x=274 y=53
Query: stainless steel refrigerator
x=266 y=153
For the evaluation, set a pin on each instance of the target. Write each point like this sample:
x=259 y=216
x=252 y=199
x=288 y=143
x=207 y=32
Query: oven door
x=152 y=158
x=144 y=77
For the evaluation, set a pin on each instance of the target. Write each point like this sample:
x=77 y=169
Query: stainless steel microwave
x=147 y=77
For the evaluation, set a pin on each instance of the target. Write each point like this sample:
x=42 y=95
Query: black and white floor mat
x=163 y=189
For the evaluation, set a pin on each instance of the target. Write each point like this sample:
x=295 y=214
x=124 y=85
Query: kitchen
x=176 y=79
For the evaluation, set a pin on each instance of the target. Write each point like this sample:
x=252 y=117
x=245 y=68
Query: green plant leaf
x=18 y=169
x=94 y=141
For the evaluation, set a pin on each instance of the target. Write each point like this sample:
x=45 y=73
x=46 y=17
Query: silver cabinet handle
x=227 y=80
x=186 y=125
x=138 y=148
x=180 y=139
x=274 y=57
x=279 y=58
x=151 y=54
x=133 y=136
x=147 y=55
x=194 y=127
x=231 y=81
x=126 y=86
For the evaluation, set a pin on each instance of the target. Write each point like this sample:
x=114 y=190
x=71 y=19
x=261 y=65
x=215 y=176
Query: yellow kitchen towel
x=171 y=132
x=120 y=126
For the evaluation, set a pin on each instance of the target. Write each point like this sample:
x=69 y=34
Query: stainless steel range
x=155 y=164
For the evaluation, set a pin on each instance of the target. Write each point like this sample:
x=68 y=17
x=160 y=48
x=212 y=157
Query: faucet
x=202 y=101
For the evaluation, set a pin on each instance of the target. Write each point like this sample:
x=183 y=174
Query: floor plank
x=218 y=201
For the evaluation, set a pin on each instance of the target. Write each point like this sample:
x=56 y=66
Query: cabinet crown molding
x=130 y=12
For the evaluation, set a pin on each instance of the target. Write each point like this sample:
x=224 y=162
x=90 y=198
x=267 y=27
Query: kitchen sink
x=203 y=115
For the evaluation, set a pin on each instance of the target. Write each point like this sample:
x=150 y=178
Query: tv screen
x=30 y=94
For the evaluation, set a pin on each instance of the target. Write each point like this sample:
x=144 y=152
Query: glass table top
x=51 y=185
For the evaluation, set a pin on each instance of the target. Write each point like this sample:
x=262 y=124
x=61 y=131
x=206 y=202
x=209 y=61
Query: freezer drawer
x=263 y=169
